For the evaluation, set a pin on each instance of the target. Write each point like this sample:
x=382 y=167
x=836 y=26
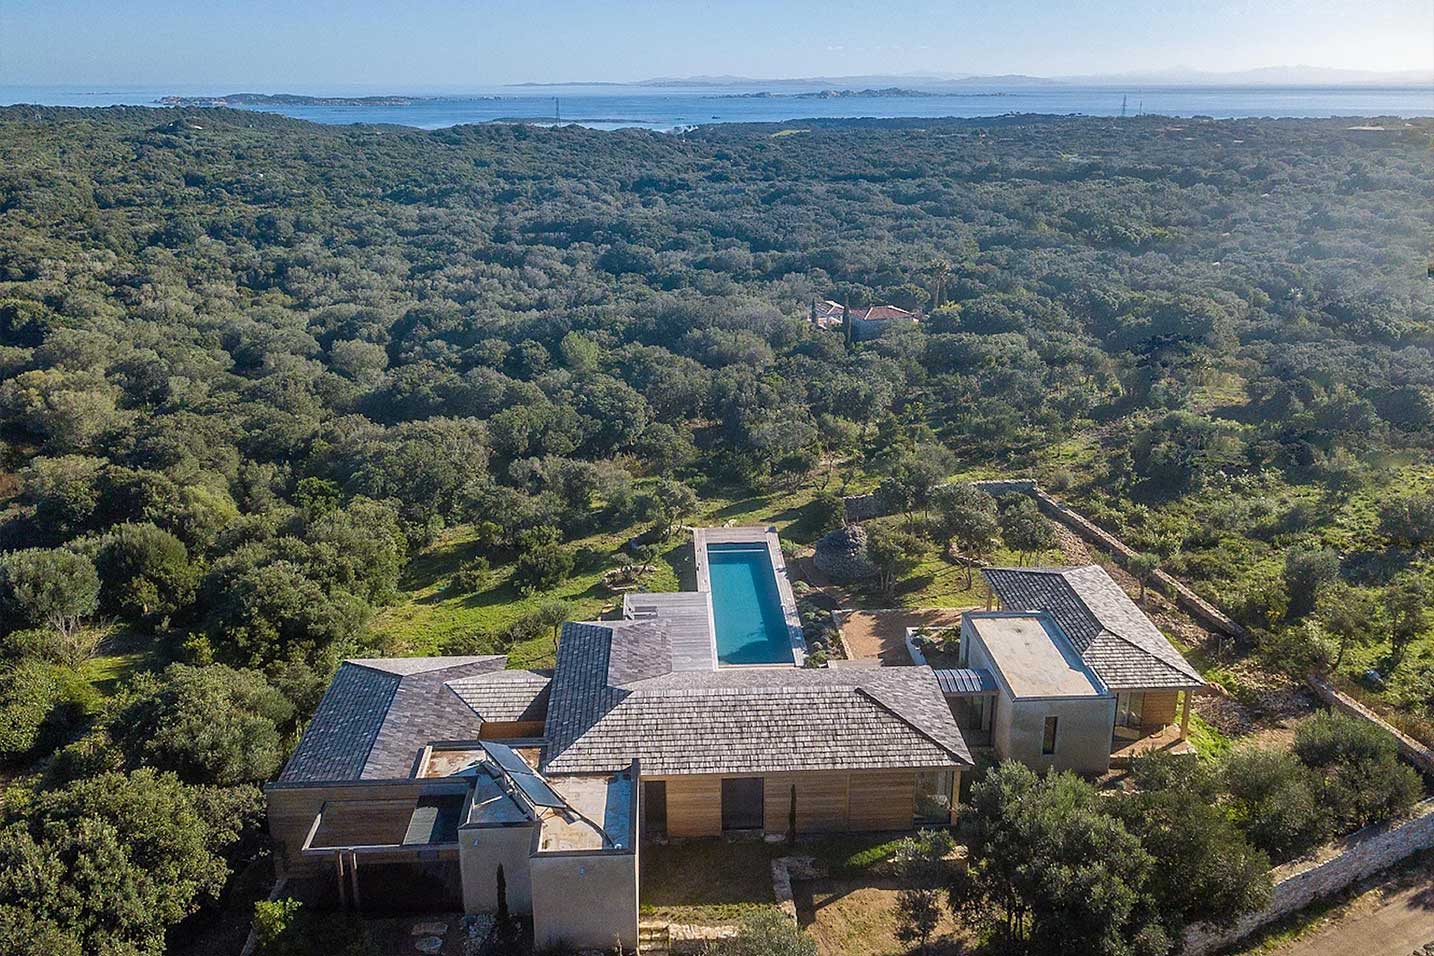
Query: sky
x=430 y=45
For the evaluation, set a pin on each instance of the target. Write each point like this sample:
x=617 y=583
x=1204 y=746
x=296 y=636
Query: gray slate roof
x=378 y=713
x=505 y=696
x=1111 y=634
x=613 y=700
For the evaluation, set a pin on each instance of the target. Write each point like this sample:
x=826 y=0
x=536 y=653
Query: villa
x=691 y=716
x=867 y=322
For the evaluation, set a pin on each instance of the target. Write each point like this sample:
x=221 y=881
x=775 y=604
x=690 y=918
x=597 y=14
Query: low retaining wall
x=1301 y=883
x=1184 y=597
x=864 y=507
x=1410 y=749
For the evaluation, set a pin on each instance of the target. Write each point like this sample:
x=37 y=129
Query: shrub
x=28 y=695
x=542 y=569
x=210 y=725
x=1158 y=770
x=1361 y=778
x=472 y=576
x=1306 y=571
x=1273 y=798
x=766 y=933
x=285 y=928
x=1408 y=520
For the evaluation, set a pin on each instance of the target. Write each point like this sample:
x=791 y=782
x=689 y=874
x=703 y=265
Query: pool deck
x=753 y=534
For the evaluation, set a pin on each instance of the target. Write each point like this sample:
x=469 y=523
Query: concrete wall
x=480 y=850
x=1083 y=732
x=585 y=900
x=1300 y=883
x=1083 y=729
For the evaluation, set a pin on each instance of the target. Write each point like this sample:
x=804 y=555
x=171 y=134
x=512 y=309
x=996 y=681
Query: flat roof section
x=1033 y=657
x=602 y=799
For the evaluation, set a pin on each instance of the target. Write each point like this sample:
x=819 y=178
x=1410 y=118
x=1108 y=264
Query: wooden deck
x=1168 y=740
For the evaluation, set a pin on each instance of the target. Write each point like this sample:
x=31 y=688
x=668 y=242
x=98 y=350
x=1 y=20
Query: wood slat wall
x=292 y=811
x=694 y=805
x=881 y=799
x=364 y=823
x=826 y=801
x=1159 y=709
x=821 y=801
x=510 y=730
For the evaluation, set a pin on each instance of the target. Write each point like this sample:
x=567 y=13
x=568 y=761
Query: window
x=1048 y=742
x=1129 y=708
x=933 y=796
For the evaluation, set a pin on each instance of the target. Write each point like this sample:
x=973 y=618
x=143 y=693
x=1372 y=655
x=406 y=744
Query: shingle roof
x=736 y=720
x=960 y=681
x=505 y=696
x=378 y=713
x=1112 y=635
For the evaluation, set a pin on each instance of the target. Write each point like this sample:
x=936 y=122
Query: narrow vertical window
x=1048 y=742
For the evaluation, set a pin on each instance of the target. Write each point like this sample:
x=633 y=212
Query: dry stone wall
x=864 y=507
x=1300 y=883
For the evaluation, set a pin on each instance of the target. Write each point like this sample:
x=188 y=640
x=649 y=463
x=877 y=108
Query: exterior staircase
x=654 y=939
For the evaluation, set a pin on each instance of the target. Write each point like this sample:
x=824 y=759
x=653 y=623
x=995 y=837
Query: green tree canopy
x=209 y=725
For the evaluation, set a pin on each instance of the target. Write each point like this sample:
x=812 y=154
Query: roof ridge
x=872 y=696
x=449 y=661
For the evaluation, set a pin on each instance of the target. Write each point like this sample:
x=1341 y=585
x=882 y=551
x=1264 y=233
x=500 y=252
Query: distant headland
x=885 y=92
x=290 y=99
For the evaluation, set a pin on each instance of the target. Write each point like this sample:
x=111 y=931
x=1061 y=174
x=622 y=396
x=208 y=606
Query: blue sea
x=669 y=108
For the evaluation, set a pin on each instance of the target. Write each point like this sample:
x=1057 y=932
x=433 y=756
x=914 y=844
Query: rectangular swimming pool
x=747 y=617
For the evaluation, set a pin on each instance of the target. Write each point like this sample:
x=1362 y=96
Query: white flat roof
x=1033 y=656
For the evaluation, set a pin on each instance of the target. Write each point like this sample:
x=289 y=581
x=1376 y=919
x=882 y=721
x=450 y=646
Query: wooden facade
x=827 y=801
x=1159 y=709
x=510 y=729
x=292 y=811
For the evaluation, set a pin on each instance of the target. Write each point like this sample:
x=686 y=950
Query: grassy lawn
x=706 y=882
x=714 y=882
x=429 y=613
x=858 y=918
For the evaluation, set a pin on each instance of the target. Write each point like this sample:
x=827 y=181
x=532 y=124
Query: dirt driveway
x=1402 y=925
x=881 y=635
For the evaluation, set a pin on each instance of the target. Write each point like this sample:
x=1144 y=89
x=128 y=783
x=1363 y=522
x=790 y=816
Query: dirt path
x=1402 y=922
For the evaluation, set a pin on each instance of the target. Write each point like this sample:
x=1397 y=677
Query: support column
x=353 y=875
x=343 y=883
x=1185 y=714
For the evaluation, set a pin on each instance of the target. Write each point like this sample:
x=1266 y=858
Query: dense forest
x=251 y=369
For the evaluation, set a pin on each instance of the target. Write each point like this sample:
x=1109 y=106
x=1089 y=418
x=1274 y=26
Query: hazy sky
x=412 y=45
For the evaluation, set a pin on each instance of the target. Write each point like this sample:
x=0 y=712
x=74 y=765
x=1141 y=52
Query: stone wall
x=868 y=506
x=1185 y=597
x=864 y=507
x=1410 y=749
x=1300 y=883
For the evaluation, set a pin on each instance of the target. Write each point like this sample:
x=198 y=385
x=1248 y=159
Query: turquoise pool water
x=746 y=608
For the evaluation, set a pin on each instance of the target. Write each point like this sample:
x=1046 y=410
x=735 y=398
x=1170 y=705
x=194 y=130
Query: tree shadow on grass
x=680 y=557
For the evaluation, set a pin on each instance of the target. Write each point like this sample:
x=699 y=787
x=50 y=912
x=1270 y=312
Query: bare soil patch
x=881 y=635
x=858 y=918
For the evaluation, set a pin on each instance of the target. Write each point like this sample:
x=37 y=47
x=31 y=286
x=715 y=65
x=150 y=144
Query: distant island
x=290 y=99
x=890 y=91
